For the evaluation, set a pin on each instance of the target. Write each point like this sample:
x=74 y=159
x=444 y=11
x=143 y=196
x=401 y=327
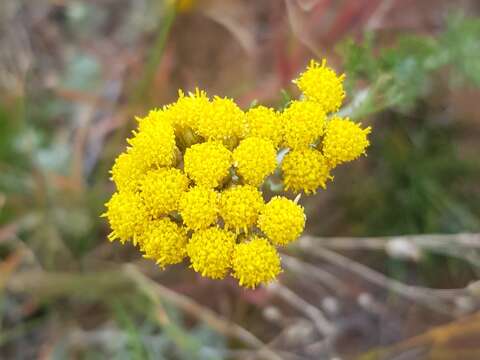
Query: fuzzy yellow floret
x=223 y=121
x=240 y=206
x=210 y=252
x=282 y=220
x=127 y=216
x=189 y=109
x=303 y=123
x=344 y=141
x=127 y=172
x=305 y=170
x=208 y=163
x=264 y=123
x=321 y=84
x=255 y=262
x=154 y=145
x=154 y=116
x=255 y=159
x=165 y=242
x=161 y=190
x=199 y=207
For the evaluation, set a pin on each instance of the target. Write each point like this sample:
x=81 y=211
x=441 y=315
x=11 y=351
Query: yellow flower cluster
x=190 y=183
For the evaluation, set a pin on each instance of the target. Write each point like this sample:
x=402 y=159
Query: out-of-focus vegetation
x=82 y=70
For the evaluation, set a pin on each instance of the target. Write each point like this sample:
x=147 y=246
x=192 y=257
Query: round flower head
x=240 y=206
x=255 y=262
x=210 y=252
x=187 y=111
x=303 y=124
x=264 y=123
x=161 y=190
x=321 y=84
x=208 y=163
x=154 y=144
x=127 y=216
x=344 y=141
x=199 y=207
x=281 y=220
x=255 y=159
x=165 y=242
x=223 y=120
x=305 y=170
x=127 y=171
x=154 y=116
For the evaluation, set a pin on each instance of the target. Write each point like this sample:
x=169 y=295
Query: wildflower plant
x=189 y=185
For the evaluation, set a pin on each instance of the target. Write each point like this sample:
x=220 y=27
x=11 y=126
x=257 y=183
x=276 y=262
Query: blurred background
x=389 y=266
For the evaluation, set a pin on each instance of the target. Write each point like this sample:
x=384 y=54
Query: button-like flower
x=127 y=216
x=344 y=141
x=154 y=145
x=199 y=207
x=303 y=123
x=211 y=251
x=305 y=170
x=165 y=242
x=223 y=120
x=255 y=262
x=321 y=84
x=265 y=123
x=255 y=159
x=282 y=220
x=161 y=190
x=240 y=206
x=127 y=172
x=208 y=163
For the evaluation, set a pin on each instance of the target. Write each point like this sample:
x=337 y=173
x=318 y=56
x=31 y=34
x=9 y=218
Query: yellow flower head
x=210 y=252
x=161 y=190
x=303 y=123
x=154 y=116
x=199 y=207
x=165 y=242
x=321 y=84
x=344 y=141
x=255 y=159
x=264 y=123
x=187 y=111
x=223 y=121
x=255 y=262
x=208 y=163
x=305 y=170
x=127 y=216
x=154 y=144
x=281 y=220
x=240 y=206
x=127 y=172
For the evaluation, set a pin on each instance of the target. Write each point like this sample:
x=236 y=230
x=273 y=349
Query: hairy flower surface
x=211 y=251
x=127 y=216
x=255 y=262
x=255 y=159
x=127 y=171
x=208 y=163
x=321 y=84
x=189 y=109
x=240 y=206
x=165 y=242
x=344 y=141
x=282 y=220
x=223 y=121
x=305 y=170
x=161 y=190
x=264 y=122
x=303 y=123
x=154 y=144
x=199 y=207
